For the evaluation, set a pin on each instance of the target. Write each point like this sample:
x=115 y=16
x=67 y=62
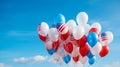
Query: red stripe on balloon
x=62 y=27
x=104 y=38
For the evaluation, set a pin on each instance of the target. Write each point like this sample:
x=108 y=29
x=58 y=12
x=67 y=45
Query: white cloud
x=39 y=58
x=21 y=60
x=114 y=64
x=35 y=59
x=4 y=65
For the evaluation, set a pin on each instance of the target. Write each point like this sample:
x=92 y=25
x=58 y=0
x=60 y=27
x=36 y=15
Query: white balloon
x=61 y=51
x=57 y=58
x=75 y=51
x=44 y=28
x=48 y=44
x=96 y=49
x=86 y=28
x=96 y=25
x=82 y=18
x=78 y=32
x=83 y=60
x=110 y=36
x=53 y=34
x=71 y=24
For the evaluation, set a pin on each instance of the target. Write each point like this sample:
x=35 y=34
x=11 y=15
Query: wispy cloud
x=29 y=60
x=38 y=59
x=21 y=33
x=114 y=64
x=4 y=65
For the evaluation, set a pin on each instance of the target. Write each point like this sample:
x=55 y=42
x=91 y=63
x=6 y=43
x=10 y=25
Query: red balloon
x=68 y=47
x=104 y=51
x=94 y=30
x=64 y=36
x=43 y=38
x=84 y=50
x=76 y=59
x=82 y=41
x=56 y=44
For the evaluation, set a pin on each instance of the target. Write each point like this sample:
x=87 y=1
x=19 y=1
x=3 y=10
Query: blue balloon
x=59 y=19
x=51 y=51
x=67 y=59
x=92 y=60
x=92 y=39
x=90 y=55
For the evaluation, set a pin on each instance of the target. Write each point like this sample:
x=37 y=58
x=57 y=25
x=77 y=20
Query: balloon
x=61 y=51
x=43 y=29
x=92 y=39
x=67 y=59
x=86 y=28
x=68 y=47
x=82 y=18
x=104 y=51
x=48 y=45
x=97 y=26
x=71 y=25
x=76 y=59
x=78 y=32
x=57 y=58
x=51 y=51
x=43 y=38
x=64 y=34
x=84 y=50
x=82 y=41
x=92 y=60
x=59 y=19
x=53 y=34
x=94 y=30
x=110 y=35
x=90 y=55
x=75 y=51
x=75 y=54
x=96 y=49
x=56 y=44
x=83 y=60
x=106 y=38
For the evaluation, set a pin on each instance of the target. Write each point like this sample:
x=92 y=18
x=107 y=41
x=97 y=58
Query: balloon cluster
x=77 y=41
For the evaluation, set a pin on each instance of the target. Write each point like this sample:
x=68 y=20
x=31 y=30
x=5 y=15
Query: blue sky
x=19 y=20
